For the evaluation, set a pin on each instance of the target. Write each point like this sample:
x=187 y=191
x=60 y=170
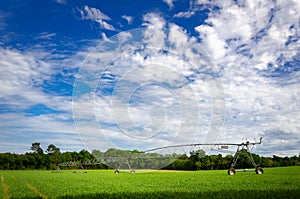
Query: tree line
x=195 y=160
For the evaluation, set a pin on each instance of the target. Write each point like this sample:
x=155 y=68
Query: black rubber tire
x=117 y=171
x=259 y=170
x=231 y=171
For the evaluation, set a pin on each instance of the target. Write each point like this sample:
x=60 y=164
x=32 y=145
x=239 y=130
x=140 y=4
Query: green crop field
x=274 y=183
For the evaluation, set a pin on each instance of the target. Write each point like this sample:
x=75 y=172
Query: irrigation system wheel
x=117 y=171
x=259 y=170
x=231 y=171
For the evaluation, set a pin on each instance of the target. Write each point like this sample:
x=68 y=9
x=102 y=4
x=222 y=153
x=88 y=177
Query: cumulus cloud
x=154 y=32
x=105 y=25
x=129 y=19
x=250 y=41
x=88 y=13
x=170 y=3
x=94 y=14
x=253 y=26
x=149 y=94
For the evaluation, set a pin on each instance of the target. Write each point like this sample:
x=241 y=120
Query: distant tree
x=205 y=162
x=97 y=154
x=267 y=162
x=213 y=162
x=227 y=160
x=294 y=161
x=85 y=155
x=183 y=157
x=36 y=148
x=116 y=153
x=52 y=149
x=197 y=155
x=67 y=156
x=55 y=156
x=198 y=165
x=277 y=161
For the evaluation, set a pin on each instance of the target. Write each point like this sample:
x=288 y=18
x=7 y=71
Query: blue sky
x=142 y=74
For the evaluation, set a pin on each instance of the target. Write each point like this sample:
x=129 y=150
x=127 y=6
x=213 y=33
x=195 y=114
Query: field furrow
x=37 y=191
x=5 y=188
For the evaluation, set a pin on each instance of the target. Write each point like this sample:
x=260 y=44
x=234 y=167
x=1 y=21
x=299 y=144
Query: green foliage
x=36 y=148
x=281 y=182
x=53 y=150
x=197 y=160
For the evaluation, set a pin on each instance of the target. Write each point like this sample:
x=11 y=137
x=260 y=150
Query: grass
x=274 y=183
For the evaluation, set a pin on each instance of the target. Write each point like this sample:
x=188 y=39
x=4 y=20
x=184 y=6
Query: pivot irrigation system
x=242 y=148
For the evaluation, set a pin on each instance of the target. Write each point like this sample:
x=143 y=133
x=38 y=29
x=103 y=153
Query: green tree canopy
x=52 y=149
x=36 y=148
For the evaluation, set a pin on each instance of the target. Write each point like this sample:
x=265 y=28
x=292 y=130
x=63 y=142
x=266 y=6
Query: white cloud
x=186 y=14
x=105 y=25
x=213 y=43
x=129 y=19
x=124 y=36
x=88 y=13
x=94 y=14
x=103 y=36
x=21 y=71
x=144 y=99
x=154 y=32
x=59 y=123
x=45 y=35
x=22 y=77
x=247 y=21
x=249 y=41
x=211 y=3
x=170 y=3
x=154 y=20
